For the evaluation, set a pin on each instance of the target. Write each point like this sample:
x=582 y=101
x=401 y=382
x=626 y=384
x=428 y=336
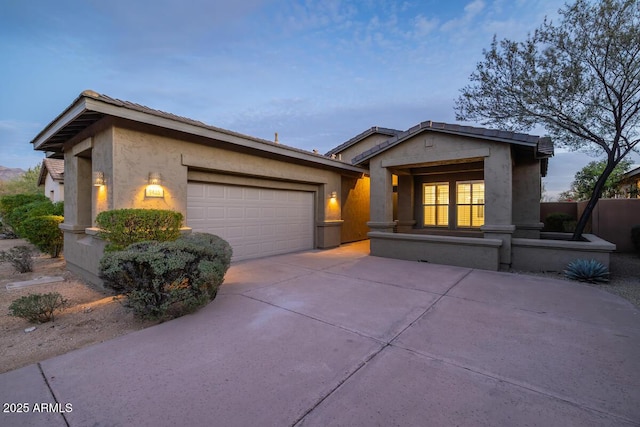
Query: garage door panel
x=214 y=213
x=196 y=191
x=252 y=213
x=213 y=193
x=256 y=222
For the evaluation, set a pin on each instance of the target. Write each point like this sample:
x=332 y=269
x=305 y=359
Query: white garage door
x=256 y=222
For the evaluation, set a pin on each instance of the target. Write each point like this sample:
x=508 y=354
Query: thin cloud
x=471 y=11
x=423 y=26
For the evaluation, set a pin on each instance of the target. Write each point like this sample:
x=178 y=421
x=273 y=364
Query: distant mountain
x=9 y=173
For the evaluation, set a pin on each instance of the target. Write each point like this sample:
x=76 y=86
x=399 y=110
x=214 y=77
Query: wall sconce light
x=154 y=178
x=98 y=179
x=334 y=195
x=154 y=188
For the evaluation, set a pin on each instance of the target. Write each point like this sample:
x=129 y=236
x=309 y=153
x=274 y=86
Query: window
x=470 y=203
x=435 y=204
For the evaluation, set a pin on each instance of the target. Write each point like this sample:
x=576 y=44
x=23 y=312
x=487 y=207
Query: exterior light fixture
x=98 y=179
x=154 y=178
x=154 y=187
x=334 y=194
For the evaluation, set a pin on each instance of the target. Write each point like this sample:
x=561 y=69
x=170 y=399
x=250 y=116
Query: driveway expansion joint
x=55 y=398
x=339 y=384
x=315 y=319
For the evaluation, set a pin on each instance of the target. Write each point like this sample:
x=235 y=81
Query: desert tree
x=578 y=79
x=586 y=178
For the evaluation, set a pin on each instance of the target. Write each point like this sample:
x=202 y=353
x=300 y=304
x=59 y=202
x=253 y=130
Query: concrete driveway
x=339 y=338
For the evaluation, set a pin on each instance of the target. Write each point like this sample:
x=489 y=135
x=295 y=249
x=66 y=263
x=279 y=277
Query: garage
x=257 y=222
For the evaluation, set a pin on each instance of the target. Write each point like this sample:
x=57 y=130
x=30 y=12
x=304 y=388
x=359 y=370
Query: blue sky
x=316 y=71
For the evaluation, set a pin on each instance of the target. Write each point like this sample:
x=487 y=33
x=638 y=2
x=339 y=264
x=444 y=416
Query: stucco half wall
x=459 y=251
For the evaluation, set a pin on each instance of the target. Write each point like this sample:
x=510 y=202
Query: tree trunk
x=595 y=196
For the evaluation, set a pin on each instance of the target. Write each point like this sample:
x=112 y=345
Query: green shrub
x=587 y=271
x=635 y=236
x=20 y=258
x=31 y=210
x=558 y=221
x=44 y=233
x=9 y=203
x=123 y=227
x=168 y=279
x=37 y=308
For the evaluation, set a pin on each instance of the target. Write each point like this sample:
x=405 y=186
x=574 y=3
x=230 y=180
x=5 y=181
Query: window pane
x=429 y=194
x=464 y=216
x=429 y=215
x=443 y=194
x=478 y=193
x=443 y=215
x=477 y=216
x=464 y=194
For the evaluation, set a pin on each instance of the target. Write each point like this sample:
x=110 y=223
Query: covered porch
x=452 y=198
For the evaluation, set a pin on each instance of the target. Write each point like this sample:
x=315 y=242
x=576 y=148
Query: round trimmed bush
x=168 y=279
x=123 y=227
x=44 y=233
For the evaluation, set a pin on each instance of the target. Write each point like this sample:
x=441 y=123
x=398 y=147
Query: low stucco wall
x=548 y=208
x=459 y=251
x=554 y=255
x=612 y=219
x=82 y=253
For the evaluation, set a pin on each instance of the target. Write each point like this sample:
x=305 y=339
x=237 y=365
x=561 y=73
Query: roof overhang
x=90 y=107
x=541 y=147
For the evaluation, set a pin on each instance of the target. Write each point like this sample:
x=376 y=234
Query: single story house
x=51 y=178
x=437 y=192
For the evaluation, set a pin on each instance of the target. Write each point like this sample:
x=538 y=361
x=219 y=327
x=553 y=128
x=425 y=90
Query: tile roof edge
x=453 y=129
x=371 y=131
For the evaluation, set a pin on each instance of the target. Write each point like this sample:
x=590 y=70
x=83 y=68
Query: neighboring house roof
x=542 y=145
x=91 y=106
x=631 y=174
x=53 y=167
x=371 y=131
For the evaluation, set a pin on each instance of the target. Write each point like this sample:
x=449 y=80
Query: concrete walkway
x=340 y=338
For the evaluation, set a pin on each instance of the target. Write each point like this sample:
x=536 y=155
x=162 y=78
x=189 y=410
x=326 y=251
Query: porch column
x=406 y=199
x=526 y=198
x=498 y=193
x=381 y=200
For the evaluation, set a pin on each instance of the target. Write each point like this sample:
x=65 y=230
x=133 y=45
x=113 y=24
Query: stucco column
x=406 y=202
x=526 y=198
x=381 y=201
x=78 y=187
x=498 y=193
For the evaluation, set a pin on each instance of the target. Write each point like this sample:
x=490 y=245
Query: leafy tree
x=586 y=178
x=580 y=80
x=27 y=183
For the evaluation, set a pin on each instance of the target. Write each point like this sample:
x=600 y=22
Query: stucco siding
x=355 y=209
x=361 y=146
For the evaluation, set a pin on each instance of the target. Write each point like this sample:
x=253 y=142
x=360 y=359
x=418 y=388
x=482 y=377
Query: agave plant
x=584 y=270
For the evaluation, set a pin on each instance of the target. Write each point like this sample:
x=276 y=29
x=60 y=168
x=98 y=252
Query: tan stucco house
x=51 y=179
x=436 y=192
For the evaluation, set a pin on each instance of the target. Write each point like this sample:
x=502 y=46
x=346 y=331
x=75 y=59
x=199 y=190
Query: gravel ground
x=624 y=279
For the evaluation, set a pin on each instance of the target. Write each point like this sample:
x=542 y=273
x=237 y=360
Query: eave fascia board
x=73 y=112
